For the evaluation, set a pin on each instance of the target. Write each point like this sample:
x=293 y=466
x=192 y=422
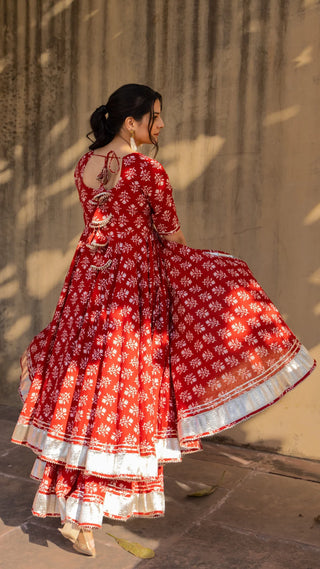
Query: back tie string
x=111 y=166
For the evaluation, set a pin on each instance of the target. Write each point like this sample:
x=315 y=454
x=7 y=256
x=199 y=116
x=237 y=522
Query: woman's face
x=140 y=128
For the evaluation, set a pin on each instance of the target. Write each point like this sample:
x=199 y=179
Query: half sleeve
x=164 y=213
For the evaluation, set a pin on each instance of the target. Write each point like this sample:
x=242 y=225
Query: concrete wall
x=241 y=82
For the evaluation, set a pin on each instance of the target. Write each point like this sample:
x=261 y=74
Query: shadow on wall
x=240 y=143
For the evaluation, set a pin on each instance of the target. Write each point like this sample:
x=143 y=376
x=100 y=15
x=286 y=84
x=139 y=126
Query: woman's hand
x=177 y=237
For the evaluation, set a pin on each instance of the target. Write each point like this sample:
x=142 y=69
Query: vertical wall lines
x=104 y=61
x=242 y=92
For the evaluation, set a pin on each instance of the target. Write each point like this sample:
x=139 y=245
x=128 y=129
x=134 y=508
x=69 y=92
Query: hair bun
x=130 y=100
x=103 y=109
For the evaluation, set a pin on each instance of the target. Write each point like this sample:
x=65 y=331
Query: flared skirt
x=140 y=362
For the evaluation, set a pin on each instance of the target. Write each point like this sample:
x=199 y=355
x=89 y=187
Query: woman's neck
x=118 y=144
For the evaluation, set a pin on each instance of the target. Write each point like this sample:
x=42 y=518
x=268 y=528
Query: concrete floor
x=261 y=517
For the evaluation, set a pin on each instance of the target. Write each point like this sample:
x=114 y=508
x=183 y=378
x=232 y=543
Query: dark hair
x=130 y=100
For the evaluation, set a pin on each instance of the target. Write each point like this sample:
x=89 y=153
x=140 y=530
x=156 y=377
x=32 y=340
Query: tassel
x=133 y=142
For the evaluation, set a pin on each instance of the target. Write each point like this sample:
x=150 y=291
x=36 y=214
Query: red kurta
x=152 y=346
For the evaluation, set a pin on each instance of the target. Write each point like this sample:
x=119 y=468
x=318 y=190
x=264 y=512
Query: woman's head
x=133 y=102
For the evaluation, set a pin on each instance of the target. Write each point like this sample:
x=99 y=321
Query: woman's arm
x=177 y=237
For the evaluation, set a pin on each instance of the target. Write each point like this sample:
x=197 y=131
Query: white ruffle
x=121 y=465
x=115 y=506
x=202 y=422
x=37 y=469
x=248 y=403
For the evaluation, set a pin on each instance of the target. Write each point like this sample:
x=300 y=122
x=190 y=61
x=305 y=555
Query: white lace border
x=190 y=429
x=96 y=462
x=90 y=514
x=256 y=399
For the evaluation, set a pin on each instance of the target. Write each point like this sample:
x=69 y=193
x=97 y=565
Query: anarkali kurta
x=152 y=346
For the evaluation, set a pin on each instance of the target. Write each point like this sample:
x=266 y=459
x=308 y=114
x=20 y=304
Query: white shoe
x=85 y=543
x=70 y=531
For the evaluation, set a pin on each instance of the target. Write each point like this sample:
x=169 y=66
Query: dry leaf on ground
x=135 y=548
x=206 y=491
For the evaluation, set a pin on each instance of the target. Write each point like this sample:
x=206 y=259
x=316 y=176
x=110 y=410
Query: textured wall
x=241 y=82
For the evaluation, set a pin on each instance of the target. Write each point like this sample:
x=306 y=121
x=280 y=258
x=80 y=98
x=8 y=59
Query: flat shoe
x=70 y=531
x=85 y=543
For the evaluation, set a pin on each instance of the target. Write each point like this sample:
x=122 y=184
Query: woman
x=152 y=346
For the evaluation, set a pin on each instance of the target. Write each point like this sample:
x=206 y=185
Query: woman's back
x=136 y=198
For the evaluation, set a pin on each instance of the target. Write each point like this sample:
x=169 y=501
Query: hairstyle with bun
x=130 y=100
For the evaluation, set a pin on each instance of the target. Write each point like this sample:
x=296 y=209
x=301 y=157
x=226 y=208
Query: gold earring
x=133 y=142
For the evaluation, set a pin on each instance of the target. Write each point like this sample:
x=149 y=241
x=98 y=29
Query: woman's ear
x=129 y=123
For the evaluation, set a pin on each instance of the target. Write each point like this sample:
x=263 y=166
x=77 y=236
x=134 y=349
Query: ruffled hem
x=90 y=514
x=249 y=403
x=129 y=465
x=201 y=423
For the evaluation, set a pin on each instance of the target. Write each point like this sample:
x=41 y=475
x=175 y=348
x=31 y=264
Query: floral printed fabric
x=152 y=345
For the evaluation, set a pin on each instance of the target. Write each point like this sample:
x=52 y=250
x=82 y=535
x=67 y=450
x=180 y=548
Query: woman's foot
x=70 y=531
x=85 y=543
